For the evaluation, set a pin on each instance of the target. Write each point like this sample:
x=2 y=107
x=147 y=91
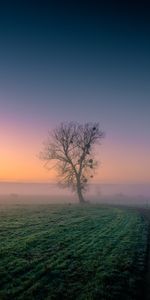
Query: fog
x=129 y=194
x=7 y=188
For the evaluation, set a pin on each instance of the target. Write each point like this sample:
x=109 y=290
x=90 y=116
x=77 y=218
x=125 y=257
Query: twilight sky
x=81 y=62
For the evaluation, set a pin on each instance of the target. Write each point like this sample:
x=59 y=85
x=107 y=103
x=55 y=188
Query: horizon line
x=55 y=183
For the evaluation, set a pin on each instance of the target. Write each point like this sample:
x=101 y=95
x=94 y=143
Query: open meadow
x=71 y=252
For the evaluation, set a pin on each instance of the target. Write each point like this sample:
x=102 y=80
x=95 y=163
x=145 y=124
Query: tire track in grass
x=145 y=290
x=38 y=265
x=68 y=253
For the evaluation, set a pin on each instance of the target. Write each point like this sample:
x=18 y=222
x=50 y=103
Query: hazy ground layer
x=71 y=252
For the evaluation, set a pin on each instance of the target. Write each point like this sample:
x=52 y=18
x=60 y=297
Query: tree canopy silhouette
x=71 y=146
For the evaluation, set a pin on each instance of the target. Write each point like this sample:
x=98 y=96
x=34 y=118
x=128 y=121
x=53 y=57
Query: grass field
x=71 y=252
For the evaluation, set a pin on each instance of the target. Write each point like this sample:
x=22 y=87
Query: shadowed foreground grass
x=71 y=252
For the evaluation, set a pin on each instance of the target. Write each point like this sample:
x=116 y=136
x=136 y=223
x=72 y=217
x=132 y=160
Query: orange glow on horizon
x=19 y=158
x=19 y=162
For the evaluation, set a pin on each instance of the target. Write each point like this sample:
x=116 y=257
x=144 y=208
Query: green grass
x=71 y=252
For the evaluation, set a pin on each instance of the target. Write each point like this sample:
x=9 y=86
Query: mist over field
x=128 y=194
x=53 y=189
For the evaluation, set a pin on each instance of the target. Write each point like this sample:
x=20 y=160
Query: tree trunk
x=79 y=192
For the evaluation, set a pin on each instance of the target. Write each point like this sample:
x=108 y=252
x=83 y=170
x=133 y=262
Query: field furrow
x=74 y=252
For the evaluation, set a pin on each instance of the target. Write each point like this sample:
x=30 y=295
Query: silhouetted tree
x=71 y=146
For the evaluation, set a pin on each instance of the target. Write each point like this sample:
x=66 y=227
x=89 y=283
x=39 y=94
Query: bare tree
x=71 y=147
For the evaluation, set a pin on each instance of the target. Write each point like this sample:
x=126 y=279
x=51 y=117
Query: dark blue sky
x=79 y=61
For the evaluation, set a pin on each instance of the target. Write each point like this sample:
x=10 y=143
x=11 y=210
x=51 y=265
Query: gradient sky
x=81 y=62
